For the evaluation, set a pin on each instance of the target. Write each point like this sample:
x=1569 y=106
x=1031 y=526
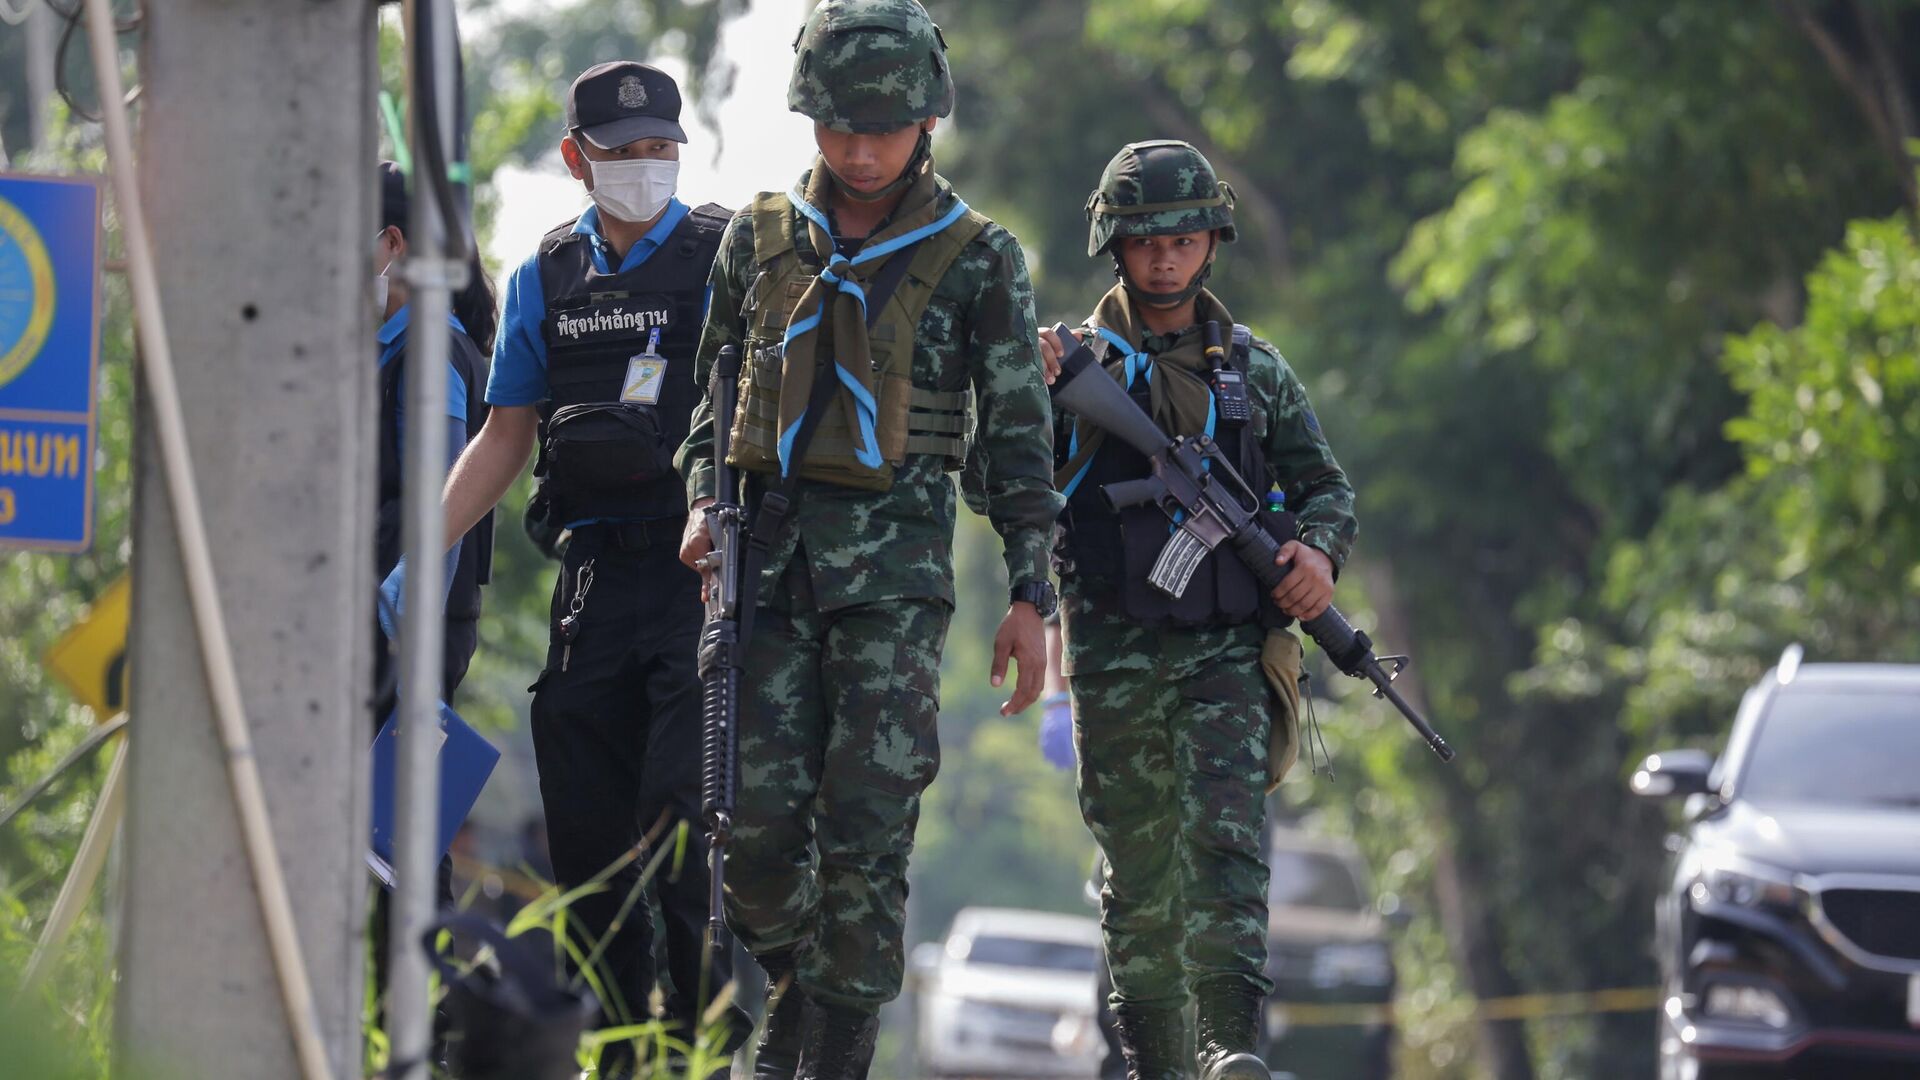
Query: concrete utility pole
x=256 y=157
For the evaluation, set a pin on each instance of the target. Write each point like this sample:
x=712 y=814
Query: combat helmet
x=870 y=66
x=1158 y=188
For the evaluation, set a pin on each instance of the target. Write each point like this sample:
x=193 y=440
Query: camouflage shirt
x=978 y=332
x=1099 y=634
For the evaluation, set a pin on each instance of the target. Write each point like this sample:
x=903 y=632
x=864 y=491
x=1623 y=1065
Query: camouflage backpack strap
x=939 y=422
x=772 y=226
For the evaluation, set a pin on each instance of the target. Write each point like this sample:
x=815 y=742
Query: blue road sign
x=49 y=347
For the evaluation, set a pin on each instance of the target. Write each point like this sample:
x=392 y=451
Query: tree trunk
x=1465 y=918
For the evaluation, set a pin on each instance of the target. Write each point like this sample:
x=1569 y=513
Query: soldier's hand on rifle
x=696 y=542
x=1051 y=350
x=1307 y=591
x=1023 y=637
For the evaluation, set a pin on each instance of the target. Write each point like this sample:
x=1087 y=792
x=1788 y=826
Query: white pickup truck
x=1009 y=994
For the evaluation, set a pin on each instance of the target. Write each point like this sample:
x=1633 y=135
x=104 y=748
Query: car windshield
x=1313 y=879
x=1028 y=953
x=1852 y=747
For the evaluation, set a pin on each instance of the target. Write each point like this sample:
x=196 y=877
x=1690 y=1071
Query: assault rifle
x=1211 y=505
x=721 y=651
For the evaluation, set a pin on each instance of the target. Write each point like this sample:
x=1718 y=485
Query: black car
x=1330 y=960
x=1789 y=941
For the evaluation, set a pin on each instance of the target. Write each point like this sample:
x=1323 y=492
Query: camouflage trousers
x=1173 y=772
x=838 y=739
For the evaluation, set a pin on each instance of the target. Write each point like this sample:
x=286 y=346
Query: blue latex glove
x=389 y=606
x=1056 y=731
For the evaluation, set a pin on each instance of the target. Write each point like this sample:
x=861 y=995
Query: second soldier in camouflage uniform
x=841 y=686
x=1179 y=727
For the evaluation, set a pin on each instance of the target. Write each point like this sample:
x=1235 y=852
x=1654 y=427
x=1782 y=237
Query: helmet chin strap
x=922 y=152
x=1166 y=299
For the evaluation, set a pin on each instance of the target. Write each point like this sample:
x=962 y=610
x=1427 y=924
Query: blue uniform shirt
x=393 y=342
x=519 y=375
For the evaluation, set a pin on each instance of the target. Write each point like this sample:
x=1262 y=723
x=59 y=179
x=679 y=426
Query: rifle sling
x=776 y=503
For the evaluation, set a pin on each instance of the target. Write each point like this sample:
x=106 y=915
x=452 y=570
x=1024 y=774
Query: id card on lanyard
x=646 y=374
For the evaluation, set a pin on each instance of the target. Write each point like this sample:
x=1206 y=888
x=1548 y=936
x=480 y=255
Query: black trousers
x=462 y=639
x=617 y=740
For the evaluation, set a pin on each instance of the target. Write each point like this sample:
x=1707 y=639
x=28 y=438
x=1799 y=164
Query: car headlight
x=1747 y=1003
x=1365 y=963
x=1742 y=883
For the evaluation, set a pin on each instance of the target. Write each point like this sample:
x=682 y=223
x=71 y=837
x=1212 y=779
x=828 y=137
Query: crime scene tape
x=1518 y=1007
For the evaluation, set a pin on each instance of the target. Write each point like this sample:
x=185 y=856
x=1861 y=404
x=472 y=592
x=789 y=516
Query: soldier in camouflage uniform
x=841 y=686
x=1185 y=711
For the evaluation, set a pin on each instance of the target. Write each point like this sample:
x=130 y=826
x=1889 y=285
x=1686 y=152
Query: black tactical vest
x=1111 y=554
x=595 y=324
x=475 y=567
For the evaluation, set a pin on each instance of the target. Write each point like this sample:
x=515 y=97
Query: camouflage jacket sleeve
x=724 y=326
x=1301 y=462
x=1014 y=473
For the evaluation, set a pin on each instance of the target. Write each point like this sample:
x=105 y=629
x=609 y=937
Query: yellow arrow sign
x=91 y=657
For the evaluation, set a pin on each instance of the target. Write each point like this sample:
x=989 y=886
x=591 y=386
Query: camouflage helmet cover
x=1160 y=188
x=870 y=66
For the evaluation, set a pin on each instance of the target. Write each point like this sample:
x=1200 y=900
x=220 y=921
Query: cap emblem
x=633 y=93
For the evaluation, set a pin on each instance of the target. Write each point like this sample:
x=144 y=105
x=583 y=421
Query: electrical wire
x=437 y=168
x=71 y=18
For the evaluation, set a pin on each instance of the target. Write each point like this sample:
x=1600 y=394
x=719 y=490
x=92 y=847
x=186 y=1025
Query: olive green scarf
x=835 y=305
x=1181 y=396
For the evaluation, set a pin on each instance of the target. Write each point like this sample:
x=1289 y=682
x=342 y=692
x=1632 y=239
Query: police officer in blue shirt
x=596 y=357
x=470 y=331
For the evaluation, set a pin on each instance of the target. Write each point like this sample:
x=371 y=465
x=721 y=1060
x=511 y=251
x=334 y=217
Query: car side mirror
x=1672 y=773
x=1393 y=911
x=924 y=962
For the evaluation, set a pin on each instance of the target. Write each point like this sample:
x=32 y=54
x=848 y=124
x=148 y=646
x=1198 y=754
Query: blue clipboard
x=466 y=761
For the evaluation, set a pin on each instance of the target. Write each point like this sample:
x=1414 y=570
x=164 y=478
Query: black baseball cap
x=617 y=102
x=395 y=207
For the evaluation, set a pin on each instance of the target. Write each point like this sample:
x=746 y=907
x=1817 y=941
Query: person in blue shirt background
x=470 y=328
x=595 y=359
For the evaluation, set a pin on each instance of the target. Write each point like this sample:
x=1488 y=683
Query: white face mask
x=633 y=191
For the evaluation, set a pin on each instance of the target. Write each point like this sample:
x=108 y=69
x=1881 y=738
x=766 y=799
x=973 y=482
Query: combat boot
x=1227 y=1022
x=779 y=1055
x=839 y=1044
x=1152 y=1042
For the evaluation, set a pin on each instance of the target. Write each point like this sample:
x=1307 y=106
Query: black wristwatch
x=1038 y=593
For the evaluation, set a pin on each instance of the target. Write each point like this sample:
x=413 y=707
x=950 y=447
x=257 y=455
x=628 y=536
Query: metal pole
x=430 y=276
x=42 y=40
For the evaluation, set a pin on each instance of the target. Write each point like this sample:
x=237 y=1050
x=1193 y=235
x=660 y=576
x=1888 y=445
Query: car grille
x=1885 y=922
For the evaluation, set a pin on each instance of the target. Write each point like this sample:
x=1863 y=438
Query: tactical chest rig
x=910 y=419
x=601 y=456
x=1112 y=553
